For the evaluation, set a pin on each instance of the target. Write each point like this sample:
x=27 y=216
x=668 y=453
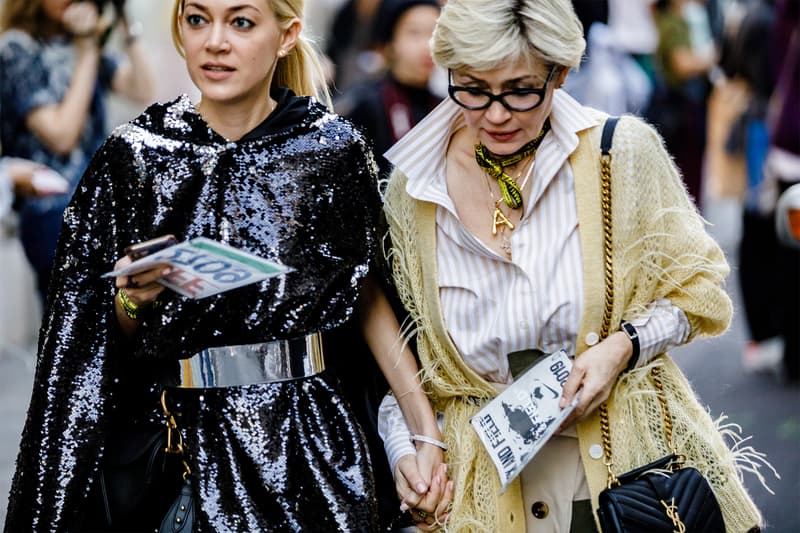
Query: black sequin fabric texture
x=272 y=457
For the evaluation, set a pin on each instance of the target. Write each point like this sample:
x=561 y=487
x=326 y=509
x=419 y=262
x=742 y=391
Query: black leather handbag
x=180 y=516
x=145 y=480
x=138 y=479
x=662 y=496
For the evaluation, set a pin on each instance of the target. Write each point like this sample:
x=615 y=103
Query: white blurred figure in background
x=616 y=74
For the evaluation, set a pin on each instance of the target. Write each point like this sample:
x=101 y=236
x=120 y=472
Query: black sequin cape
x=300 y=189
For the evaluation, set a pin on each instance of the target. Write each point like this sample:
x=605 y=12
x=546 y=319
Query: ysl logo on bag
x=672 y=514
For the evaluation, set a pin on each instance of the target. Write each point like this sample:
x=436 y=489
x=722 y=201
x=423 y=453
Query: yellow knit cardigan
x=660 y=250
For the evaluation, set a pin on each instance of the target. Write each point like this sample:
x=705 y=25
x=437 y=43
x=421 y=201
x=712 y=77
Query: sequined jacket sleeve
x=60 y=441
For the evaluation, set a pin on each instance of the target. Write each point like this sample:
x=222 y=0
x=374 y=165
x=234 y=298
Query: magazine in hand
x=515 y=425
x=202 y=267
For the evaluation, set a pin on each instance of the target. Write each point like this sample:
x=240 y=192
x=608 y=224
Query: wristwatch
x=135 y=30
x=633 y=335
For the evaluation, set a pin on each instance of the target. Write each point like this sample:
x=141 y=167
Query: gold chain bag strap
x=662 y=496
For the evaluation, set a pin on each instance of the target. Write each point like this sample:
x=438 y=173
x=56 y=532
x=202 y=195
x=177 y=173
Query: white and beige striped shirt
x=492 y=305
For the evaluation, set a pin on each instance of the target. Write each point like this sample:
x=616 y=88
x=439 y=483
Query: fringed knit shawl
x=660 y=250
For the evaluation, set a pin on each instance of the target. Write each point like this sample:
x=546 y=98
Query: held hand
x=594 y=373
x=34 y=179
x=434 y=509
x=411 y=486
x=429 y=457
x=142 y=288
x=21 y=174
x=414 y=473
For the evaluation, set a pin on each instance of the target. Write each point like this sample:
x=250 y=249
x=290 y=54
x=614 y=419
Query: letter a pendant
x=499 y=220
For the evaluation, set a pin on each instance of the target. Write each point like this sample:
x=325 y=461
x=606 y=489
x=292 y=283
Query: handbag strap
x=175 y=444
x=605 y=207
x=655 y=373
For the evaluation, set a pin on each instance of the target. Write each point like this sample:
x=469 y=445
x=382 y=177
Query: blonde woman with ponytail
x=259 y=163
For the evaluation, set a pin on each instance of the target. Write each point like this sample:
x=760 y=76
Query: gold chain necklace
x=498 y=217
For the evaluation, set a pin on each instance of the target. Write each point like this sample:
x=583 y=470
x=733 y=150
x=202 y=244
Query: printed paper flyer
x=515 y=425
x=202 y=267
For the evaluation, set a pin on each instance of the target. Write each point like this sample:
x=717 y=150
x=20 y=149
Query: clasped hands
x=423 y=487
x=421 y=481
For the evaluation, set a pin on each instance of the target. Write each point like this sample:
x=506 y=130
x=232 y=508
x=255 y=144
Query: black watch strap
x=633 y=335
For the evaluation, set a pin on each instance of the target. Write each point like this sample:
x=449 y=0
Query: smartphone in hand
x=141 y=249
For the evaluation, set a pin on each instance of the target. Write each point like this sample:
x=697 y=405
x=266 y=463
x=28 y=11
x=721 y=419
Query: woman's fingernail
x=403 y=507
x=166 y=271
x=421 y=488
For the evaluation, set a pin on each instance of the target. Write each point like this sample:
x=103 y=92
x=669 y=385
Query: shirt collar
x=420 y=153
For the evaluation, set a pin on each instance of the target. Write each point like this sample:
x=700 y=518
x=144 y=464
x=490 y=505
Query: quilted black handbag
x=662 y=496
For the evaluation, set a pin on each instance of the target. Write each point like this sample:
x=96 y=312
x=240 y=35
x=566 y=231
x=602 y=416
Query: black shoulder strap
x=608 y=134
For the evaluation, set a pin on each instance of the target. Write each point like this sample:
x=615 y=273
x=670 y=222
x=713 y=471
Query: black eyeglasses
x=515 y=100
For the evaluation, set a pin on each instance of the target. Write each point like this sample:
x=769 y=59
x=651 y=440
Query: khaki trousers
x=551 y=482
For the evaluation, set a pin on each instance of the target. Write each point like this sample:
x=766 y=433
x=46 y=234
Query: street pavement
x=766 y=409
x=16 y=378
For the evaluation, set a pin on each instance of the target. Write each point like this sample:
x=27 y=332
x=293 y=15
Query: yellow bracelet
x=131 y=309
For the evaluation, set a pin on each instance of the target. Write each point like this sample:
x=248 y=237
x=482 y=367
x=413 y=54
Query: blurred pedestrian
x=389 y=107
x=54 y=77
x=260 y=164
x=782 y=172
x=20 y=179
x=348 y=45
x=616 y=70
x=679 y=106
x=495 y=208
x=749 y=71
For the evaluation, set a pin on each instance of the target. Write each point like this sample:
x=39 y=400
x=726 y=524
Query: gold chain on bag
x=174 y=445
x=605 y=206
x=605 y=428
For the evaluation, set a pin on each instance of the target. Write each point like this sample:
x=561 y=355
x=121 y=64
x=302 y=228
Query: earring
x=281 y=52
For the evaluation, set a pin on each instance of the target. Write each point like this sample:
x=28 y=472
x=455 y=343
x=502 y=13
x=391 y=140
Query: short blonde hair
x=481 y=34
x=301 y=69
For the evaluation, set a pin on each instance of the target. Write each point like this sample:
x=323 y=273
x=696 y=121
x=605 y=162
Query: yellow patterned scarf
x=494 y=166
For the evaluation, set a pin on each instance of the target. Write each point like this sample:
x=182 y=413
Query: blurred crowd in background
x=718 y=78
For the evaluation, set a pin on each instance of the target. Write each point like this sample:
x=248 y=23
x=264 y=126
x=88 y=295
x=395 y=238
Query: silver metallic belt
x=248 y=364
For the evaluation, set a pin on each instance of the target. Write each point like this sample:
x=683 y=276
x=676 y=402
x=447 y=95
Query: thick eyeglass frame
x=541 y=91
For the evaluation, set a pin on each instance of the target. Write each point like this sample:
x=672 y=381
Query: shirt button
x=540 y=510
x=592 y=338
x=523 y=325
x=595 y=451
